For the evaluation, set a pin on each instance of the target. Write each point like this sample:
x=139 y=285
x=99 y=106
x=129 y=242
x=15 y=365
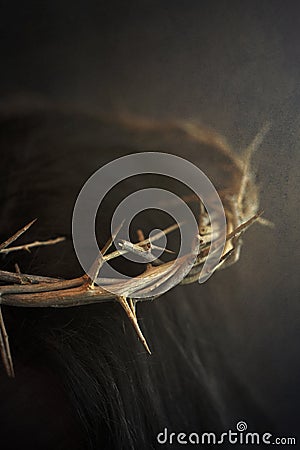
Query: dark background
x=232 y=66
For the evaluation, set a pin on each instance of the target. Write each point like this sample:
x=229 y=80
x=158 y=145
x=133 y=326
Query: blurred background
x=231 y=65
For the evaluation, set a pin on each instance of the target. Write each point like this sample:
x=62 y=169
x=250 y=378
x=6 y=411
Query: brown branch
x=5 y=348
x=74 y=292
x=32 y=244
x=12 y=277
x=16 y=235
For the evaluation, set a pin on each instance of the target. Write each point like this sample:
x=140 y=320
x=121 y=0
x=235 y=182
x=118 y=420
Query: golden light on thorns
x=241 y=207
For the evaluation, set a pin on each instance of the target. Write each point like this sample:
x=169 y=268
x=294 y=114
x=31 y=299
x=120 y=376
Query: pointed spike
x=112 y=238
x=98 y=263
x=123 y=302
x=16 y=235
x=132 y=304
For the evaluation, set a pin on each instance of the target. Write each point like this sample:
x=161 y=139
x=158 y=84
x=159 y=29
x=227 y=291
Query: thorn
x=16 y=235
x=112 y=238
x=131 y=316
x=243 y=226
x=132 y=304
x=98 y=263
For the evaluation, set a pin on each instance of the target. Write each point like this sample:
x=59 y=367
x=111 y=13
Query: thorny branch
x=38 y=291
x=41 y=291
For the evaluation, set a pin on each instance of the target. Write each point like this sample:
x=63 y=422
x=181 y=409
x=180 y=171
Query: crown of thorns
x=19 y=289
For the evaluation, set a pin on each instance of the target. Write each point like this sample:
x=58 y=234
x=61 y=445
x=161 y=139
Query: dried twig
x=5 y=349
x=21 y=279
x=16 y=235
x=27 y=247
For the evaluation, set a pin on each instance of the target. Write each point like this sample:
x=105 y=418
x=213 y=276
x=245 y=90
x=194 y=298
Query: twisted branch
x=41 y=291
